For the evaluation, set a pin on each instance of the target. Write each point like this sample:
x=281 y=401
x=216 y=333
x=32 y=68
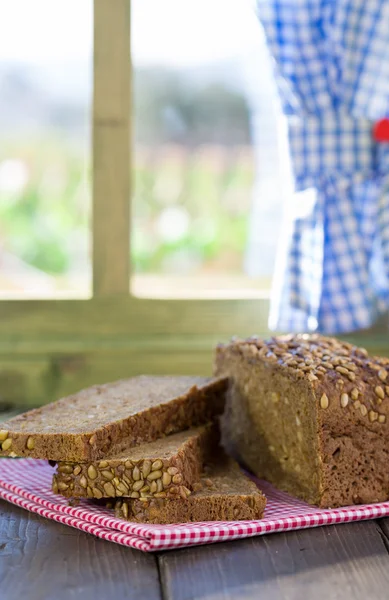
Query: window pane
x=45 y=81
x=195 y=214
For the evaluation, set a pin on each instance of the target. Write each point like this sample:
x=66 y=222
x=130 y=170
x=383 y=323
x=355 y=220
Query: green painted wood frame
x=55 y=347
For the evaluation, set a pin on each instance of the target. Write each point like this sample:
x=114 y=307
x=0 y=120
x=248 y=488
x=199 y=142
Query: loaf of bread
x=224 y=493
x=309 y=414
x=107 y=419
x=165 y=468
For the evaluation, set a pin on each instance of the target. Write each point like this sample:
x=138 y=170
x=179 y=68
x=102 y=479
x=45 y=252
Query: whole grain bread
x=104 y=420
x=165 y=468
x=309 y=414
x=224 y=493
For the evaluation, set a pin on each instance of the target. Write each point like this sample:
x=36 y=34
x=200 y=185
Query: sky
x=169 y=32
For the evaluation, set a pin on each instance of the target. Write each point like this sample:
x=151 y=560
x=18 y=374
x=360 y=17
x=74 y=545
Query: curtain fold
x=331 y=60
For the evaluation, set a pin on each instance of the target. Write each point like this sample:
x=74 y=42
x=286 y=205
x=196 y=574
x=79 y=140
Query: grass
x=190 y=207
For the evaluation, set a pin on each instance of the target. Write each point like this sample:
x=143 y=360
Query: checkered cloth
x=27 y=483
x=332 y=68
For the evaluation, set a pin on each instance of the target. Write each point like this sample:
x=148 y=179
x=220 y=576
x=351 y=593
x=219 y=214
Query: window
x=194 y=160
x=45 y=199
x=49 y=348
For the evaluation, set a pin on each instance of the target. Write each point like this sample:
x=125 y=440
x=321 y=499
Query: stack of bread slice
x=308 y=413
x=148 y=446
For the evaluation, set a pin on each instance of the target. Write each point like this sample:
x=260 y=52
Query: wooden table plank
x=384 y=526
x=345 y=562
x=41 y=559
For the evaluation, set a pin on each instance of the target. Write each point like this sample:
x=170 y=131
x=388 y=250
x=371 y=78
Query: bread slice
x=106 y=419
x=165 y=468
x=224 y=493
x=310 y=414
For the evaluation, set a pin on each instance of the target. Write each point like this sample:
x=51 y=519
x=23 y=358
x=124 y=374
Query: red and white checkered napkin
x=27 y=483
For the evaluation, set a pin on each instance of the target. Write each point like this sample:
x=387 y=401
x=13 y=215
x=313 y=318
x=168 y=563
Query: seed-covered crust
x=106 y=419
x=165 y=468
x=224 y=493
x=310 y=414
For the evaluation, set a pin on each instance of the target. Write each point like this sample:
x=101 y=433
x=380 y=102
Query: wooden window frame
x=49 y=348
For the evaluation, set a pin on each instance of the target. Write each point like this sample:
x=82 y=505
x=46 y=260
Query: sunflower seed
x=312 y=377
x=327 y=365
x=97 y=493
x=154 y=475
x=186 y=491
x=324 y=402
x=146 y=468
x=354 y=393
x=137 y=486
x=157 y=465
x=122 y=487
x=65 y=469
x=109 y=489
x=172 y=470
x=342 y=370
x=30 y=443
x=379 y=391
x=6 y=445
x=92 y=473
x=373 y=416
x=166 y=479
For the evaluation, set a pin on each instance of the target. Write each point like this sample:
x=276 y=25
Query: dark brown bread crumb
x=226 y=494
x=106 y=419
x=310 y=414
x=164 y=468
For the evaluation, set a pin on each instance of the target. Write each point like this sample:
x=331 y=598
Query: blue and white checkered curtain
x=332 y=68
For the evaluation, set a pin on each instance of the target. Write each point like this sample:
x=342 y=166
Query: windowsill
x=43 y=287
x=211 y=287
x=164 y=287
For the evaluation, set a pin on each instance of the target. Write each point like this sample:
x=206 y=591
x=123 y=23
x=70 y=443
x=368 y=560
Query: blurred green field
x=190 y=206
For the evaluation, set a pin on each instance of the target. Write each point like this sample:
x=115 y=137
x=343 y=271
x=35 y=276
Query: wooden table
x=41 y=559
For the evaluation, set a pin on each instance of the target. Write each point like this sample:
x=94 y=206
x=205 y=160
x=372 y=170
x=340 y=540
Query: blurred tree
x=174 y=106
